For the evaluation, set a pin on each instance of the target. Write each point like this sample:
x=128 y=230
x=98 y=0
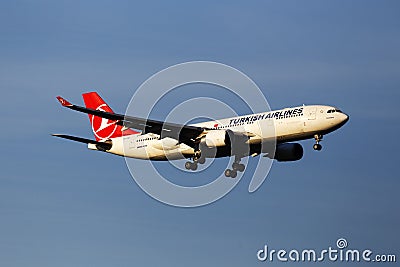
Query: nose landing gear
x=318 y=138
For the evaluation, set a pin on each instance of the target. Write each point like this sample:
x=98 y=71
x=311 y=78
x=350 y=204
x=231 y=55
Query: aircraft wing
x=183 y=133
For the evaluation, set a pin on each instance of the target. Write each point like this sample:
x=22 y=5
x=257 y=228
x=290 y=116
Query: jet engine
x=288 y=152
x=104 y=146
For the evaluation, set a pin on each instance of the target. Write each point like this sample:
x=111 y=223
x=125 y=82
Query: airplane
x=240 y=136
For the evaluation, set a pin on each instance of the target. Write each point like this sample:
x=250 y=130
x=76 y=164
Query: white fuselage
x=289 y=124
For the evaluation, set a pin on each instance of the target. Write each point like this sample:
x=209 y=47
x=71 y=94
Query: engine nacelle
x=103 y=146
x=288 y=152
x=216 y=138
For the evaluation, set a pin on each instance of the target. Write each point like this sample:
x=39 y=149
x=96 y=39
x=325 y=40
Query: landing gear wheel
x=201 y=160
x=317 y=147
x=188 y=165
x=238 y=166
x=241 y=167
x=230 y=173
x=193 y=166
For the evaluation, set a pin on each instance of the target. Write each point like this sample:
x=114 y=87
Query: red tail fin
x=103 y=129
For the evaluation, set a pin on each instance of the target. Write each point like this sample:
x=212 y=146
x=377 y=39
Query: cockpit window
x=334 y=110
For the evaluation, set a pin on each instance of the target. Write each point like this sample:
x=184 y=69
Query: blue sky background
x=63 y=205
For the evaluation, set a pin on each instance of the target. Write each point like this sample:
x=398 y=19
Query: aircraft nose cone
x=345 y=118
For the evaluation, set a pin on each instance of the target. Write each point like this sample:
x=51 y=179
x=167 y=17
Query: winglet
x=63 y=102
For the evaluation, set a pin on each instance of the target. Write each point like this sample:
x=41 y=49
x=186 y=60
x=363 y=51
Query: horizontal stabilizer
x=101 y=145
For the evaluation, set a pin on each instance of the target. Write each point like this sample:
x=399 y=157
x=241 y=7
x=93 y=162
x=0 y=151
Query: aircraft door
x=132 y=142
x=312 y=113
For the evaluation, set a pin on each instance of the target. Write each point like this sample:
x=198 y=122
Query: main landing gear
x=318 y=138
x=197 y=159
x=236 y=166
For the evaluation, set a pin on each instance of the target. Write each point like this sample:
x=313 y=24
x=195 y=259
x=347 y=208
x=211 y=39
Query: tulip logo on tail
x=103 y=128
